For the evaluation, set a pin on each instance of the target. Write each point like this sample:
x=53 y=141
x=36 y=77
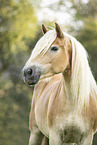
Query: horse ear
x=44 y=29
x=59 y=31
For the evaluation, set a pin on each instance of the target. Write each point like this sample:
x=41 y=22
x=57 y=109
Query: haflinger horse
x=64 y=103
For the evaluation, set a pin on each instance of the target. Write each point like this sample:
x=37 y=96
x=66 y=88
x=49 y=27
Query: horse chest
x=69 y=124
x=72 y=128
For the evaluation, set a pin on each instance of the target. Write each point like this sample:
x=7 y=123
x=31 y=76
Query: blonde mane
x=44 y=43
x=82 y=83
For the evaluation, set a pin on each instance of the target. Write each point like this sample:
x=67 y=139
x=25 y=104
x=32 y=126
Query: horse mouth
x=32 y=81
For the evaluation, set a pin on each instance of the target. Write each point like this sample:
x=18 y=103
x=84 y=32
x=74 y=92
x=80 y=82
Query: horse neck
x=67 y=85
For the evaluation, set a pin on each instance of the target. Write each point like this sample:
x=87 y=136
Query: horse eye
x=54 y=48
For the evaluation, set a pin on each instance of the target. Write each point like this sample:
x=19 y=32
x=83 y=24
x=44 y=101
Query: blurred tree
x=86 y=15
x=14 y=108
x=17 y=23
x=88 y=36
x=85 y=8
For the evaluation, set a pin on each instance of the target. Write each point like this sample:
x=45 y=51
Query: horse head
x=51 y=55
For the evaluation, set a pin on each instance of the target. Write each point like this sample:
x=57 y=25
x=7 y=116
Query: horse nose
x=31 y=75
x=28 y=72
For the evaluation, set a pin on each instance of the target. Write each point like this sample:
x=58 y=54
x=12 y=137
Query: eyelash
x=54 y=48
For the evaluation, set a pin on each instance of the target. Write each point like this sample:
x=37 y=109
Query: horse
x=64 y=103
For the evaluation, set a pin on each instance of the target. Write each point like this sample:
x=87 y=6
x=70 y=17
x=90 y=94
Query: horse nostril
x=29 y=71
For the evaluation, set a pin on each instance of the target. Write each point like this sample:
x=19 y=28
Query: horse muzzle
x=31 y=75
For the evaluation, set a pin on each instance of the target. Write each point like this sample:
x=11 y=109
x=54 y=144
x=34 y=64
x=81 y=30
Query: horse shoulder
x=92 y=112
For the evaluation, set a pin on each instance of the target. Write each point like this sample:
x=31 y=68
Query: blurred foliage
x=18 y=24
x=14 y=108
x=88 y=36
x=86 y=14
x=19 y=32
x=85 y=8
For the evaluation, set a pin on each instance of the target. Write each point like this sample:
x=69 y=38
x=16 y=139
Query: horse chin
x=32 y=83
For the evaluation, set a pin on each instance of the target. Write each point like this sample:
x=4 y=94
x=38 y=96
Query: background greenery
x=19 y=31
